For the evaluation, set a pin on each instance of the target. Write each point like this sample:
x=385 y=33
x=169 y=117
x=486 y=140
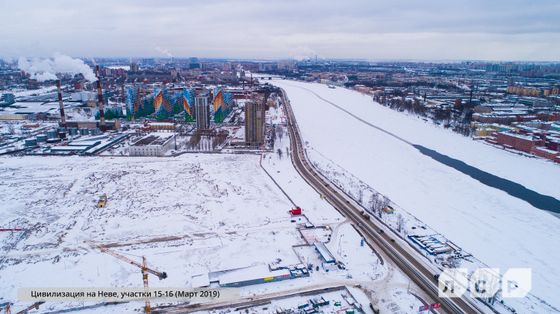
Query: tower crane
x=143 y=268
x=34 y=306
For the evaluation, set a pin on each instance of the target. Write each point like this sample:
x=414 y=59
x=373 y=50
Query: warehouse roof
x=152 y=139
x=324 y=252
x=251 y=273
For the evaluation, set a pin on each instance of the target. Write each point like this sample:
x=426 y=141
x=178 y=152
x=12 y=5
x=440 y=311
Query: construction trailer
x=296 y=211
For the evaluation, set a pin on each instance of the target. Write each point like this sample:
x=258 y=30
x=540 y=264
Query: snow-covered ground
x=339 y=301
x=187 y=215
x=211 y=208
x=495 y=227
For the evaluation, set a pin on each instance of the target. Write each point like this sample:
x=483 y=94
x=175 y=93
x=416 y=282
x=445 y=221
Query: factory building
x=254 y=123
x=7 y=99
x=161 y=126
x=152 y=145
x=83 y=96
x=109 y=125
x=241 y=280
x=202 y=112
x=524 y=143
x=246 y=276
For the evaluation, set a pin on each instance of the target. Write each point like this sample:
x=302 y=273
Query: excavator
x=143 y=268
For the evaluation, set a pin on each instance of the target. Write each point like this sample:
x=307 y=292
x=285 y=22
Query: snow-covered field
x=495 y=227
x=187 y=215
x=211 y=208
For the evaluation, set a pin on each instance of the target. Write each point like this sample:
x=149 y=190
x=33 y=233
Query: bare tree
x=385 y=201
x=372 y=200
x=400 y=223
x=360 y=195
x=279 y=132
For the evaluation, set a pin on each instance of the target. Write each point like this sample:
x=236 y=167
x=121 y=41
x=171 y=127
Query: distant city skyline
x=358 y=29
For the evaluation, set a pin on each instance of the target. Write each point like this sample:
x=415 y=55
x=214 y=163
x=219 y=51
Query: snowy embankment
x=495 y=227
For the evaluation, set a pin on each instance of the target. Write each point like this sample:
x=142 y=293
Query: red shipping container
x=295 y=211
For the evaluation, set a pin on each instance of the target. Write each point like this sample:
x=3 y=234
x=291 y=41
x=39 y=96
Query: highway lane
x=374 y=232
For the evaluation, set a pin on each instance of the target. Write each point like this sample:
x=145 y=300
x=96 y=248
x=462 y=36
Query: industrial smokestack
x=61 y=104
x=101 y=102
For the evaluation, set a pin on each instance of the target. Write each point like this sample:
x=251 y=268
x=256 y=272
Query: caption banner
x=126 y=294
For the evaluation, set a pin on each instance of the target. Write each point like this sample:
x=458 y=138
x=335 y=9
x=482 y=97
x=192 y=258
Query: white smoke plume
x=46 y=69
x=164 y=51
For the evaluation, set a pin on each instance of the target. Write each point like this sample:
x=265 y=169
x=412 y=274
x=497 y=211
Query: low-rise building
x=168 y=126
x=152 y=145
x=520 y=142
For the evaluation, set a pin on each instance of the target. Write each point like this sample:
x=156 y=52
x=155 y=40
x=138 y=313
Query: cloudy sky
x=363 y=29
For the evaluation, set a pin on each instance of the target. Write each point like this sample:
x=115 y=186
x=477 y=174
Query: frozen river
x=494 y=204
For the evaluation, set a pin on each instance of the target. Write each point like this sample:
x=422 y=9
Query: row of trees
x=459 y=122
x=111 y=113
x=403 y=104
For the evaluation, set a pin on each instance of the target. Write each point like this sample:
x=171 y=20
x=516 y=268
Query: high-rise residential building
x=202 y=112
x=134 y=67
x=254 y=123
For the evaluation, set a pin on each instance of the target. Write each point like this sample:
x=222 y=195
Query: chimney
x=61 y=104
x=101 y=102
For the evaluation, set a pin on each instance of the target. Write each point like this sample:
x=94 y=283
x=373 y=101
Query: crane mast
x=143 y=268
x=160 y=275
x=147 y=307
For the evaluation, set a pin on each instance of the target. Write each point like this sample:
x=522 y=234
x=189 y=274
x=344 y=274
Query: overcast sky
x=364 y=29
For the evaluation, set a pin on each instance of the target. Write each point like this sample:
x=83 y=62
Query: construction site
x=176 y=185
x=188 y=221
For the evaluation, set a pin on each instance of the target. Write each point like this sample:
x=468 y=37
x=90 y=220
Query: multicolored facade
x=137 y=104
x=186 y=101
x=222 y=104
x=161 y=103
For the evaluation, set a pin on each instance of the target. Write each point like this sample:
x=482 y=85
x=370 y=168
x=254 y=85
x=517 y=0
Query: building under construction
x=202 y=112
x=254 y=123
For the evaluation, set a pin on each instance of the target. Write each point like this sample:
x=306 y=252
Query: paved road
x=249 y=301
x=375 y=233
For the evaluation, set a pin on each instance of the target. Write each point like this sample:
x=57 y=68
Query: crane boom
x=8 y=307
x=160 y=275
x=31 y=307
